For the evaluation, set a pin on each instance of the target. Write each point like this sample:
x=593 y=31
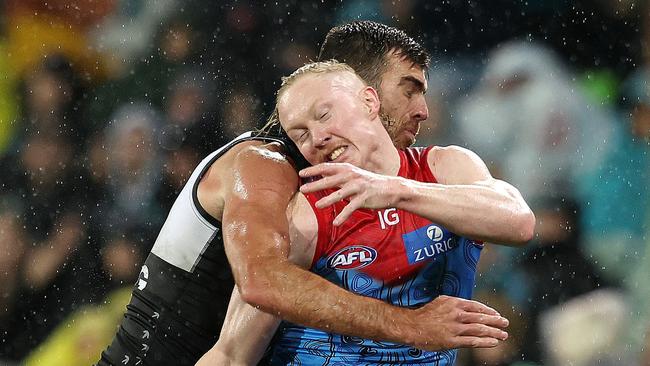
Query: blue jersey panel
x=448 y=266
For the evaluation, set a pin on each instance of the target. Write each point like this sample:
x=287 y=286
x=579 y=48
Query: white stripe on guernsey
x=186 y=233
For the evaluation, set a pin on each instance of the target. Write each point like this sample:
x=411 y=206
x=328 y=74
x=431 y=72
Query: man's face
x=402 y=91
x=329 y=120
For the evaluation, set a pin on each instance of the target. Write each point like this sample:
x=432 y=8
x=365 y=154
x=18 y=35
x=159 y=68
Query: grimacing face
x=332 y=117
x=401 y=91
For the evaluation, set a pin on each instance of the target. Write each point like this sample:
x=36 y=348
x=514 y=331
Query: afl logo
x=434 y=233
x=352 y=257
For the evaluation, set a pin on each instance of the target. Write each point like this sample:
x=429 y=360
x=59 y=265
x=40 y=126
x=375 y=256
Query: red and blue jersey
x=391 y=255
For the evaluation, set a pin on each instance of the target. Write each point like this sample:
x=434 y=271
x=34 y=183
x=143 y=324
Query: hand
x=451 y=322
x=362 y=188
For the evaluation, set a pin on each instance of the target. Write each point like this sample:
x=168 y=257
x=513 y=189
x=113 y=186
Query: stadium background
x=106 y=105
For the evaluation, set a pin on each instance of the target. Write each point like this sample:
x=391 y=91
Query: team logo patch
x=428 y=242
x=357 y=256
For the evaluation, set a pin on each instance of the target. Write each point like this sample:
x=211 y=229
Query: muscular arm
x=256 y=239
x=467 y=200
x=245 y=335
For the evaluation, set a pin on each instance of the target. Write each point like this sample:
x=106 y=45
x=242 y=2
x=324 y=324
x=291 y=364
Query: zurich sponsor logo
x=427 y=242
x=357 y=256
x=435 y=233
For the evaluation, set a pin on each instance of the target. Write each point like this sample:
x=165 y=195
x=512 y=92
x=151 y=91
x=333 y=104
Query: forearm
x=278 y=287
x=476 y=211
x=256 y=240
x=216 y=357
x=245 y=334
x=302 y=297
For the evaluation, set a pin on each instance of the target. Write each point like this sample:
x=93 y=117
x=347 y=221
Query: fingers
x=465 y=323
x=467 y=305
x=474 y=342
x=476 y=307
x=346 y=212
x=312 y=171
x=324 y=183
x=323 y=169
x=482 y=330
x=490 y=320
x=334 y=197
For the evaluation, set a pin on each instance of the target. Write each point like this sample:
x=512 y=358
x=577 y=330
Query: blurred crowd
x=107 y=105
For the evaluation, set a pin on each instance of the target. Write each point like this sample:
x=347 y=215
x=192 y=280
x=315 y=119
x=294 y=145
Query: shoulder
x=248 y=170
x=445 y=153
x=260 y=151
x=456 y=165
x=264 y=165
x=246 y=156
x=257 y=157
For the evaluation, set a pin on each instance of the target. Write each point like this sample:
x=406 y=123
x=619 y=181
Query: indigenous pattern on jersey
x=180 y=300
x=391 y=255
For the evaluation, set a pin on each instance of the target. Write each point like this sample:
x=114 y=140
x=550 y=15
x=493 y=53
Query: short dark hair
x=365 y=45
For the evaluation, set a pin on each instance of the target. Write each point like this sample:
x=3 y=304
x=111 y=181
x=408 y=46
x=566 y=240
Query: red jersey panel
x=376 y=234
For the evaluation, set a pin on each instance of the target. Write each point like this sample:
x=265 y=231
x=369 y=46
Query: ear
x=371 y=102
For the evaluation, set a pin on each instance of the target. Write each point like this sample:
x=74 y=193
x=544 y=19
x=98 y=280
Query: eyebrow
x=311 y=111
x=418 y=83
x=319 y=105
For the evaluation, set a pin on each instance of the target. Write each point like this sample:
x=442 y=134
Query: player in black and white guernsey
x=180 y=299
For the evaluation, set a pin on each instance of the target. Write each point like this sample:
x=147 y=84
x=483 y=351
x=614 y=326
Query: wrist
x=404 y=327
x=403 y=192
x=398 y=325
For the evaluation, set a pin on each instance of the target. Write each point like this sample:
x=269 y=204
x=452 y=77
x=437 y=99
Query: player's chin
x=404 y=140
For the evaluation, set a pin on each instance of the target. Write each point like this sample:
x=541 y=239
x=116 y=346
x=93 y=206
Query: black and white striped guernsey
x=180 y=300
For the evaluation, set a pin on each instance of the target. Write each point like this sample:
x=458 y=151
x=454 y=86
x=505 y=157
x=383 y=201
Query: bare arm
x=256 y=239
x=467 y=200
x=245 y=335
x=256 y=236
x=247 y=330
x=478 y=205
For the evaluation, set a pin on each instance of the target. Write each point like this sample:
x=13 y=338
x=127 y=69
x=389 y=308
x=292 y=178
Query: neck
x=385 y=160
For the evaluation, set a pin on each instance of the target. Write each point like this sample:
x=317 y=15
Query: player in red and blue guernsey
x=390 y=254
x=380 y=222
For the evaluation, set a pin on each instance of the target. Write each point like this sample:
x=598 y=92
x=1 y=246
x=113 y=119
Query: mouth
x=336 y=153
x=412 y=131
x=409 y=134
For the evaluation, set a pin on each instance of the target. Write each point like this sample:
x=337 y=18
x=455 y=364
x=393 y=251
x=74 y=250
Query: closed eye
x=324 y=116
x=413 y=86
x=298 y=135
x=303 y=136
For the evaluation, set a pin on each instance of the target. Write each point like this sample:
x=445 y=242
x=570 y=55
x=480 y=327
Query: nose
x=320 y=137
x=420 y=112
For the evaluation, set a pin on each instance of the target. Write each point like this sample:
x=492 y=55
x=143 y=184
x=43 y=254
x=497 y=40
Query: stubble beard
x=393 y=126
